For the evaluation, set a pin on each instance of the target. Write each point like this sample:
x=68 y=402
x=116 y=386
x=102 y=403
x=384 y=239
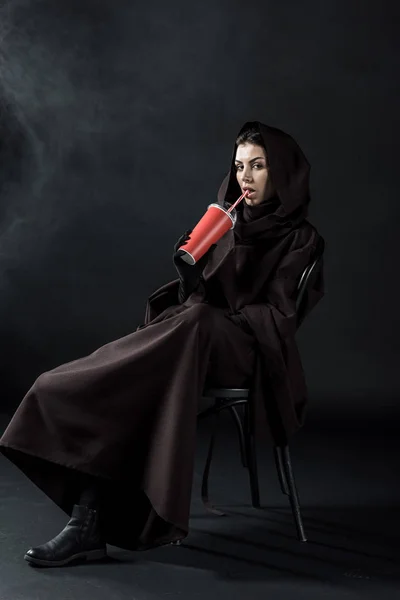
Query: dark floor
x=349 y=492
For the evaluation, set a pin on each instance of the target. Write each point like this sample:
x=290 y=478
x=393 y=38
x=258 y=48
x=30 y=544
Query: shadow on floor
x=255 y=545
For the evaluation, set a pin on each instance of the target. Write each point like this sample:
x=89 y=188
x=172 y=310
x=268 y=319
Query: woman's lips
x=250 y=193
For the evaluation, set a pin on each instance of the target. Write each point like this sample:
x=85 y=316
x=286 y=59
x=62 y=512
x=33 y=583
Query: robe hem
x=138 y=546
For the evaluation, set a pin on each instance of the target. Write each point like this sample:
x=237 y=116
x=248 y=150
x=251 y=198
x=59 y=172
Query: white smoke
x=57 y=115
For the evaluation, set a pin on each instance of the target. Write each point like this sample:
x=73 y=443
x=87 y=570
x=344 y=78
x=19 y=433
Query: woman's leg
x=90 y=490
x=127 y=415
x=81 y=538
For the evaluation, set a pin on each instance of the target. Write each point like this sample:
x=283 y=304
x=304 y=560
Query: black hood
x=289 y=171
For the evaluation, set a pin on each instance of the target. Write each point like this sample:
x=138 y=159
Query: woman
x=110 y=438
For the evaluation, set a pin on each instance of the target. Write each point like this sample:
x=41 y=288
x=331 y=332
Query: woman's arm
x=280 y=295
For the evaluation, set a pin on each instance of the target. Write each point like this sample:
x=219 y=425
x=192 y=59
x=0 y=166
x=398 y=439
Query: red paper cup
x=211 y=227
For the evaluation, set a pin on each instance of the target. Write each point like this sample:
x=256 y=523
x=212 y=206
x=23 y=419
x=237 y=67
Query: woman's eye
x=257 y=165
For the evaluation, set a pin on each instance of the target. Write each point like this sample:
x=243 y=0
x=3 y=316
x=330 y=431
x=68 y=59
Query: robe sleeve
x=279 y=377
x=280 y=295
x=278 y=312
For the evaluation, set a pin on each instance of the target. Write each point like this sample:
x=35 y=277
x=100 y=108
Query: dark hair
x=250 y=134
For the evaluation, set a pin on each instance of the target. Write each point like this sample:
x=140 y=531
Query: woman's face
x=252 y=172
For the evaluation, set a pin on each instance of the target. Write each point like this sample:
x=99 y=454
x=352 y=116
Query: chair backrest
x=307 y=280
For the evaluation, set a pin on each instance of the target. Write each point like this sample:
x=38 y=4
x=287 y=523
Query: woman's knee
x=42 y=382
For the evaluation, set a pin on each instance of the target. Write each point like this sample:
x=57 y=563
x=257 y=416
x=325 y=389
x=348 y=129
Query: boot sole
x=84 y=556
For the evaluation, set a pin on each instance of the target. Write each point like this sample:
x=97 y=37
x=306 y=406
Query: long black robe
x=127 y=412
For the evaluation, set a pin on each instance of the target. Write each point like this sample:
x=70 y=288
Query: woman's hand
x=190 y=274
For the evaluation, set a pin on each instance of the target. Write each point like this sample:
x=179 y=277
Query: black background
x=116 y=129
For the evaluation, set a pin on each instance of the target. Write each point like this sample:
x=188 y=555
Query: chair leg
x=239 y=427
x=293 y=495
x=206 y=472
x=251 y=460
x=280 y=469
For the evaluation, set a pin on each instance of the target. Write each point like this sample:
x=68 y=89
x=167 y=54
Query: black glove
x=190 y=275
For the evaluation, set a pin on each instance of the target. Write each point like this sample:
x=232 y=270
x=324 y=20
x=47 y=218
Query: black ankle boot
x=79 y=540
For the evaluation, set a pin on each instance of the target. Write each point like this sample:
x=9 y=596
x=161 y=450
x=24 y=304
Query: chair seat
x=238 y=393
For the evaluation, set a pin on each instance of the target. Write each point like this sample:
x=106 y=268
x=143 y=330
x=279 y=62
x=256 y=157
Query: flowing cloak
x=127 y=412
x=254 y=273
